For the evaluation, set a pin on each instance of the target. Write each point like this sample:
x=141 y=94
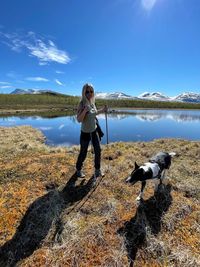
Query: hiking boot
x=98 y=173
x=80 y=174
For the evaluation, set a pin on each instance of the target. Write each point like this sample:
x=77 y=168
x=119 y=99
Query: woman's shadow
x=38 y=219
x=148 y=216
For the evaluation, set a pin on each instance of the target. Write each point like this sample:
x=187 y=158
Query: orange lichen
x=45 y=223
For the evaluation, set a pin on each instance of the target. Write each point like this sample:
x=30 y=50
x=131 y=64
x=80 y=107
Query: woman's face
x=89 y=93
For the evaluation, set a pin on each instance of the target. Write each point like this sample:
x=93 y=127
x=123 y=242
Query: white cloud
x=6 y=86
x=59 y=72
x=12 y=75
x=48 y=53
x=5 y=83
x=44 y=50
x=148 y=4
x=58 y=82
x=37 y=79
x=12 y=40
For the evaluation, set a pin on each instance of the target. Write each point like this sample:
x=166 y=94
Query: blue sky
x=131 y=46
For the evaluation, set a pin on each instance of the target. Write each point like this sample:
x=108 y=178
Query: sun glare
x=148 y=4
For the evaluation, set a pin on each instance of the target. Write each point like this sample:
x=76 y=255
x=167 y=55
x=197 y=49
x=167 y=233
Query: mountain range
x=156 y=96
x=30 y=92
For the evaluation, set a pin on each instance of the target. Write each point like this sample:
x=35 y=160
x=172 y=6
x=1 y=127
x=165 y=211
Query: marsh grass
x=41 y=222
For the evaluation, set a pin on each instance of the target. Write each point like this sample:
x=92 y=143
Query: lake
x=125 y=125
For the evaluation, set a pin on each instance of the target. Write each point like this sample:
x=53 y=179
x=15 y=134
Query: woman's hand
x=86 y=109
x=82 y=111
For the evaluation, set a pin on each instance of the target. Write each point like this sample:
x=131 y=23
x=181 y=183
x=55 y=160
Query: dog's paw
x=138 y=201
x=138 y=198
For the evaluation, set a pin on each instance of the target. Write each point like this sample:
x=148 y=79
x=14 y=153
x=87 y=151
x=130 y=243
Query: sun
x=148 y=4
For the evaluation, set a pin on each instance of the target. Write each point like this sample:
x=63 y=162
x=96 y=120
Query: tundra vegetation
x=51 y=218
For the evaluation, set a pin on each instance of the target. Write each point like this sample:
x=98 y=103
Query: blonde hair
x=84 y=99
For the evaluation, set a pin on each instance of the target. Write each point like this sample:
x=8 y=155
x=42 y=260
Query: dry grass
x=43 y=222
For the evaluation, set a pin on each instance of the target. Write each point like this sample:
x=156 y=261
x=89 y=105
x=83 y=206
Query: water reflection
x=155 y=115
x=123 y=125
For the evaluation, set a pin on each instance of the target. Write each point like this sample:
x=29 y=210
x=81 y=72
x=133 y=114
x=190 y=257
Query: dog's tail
x=172 y=154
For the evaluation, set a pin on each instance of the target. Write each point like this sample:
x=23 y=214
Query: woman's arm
x=81 y=112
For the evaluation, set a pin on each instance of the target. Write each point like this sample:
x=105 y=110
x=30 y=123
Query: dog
x=154 y=169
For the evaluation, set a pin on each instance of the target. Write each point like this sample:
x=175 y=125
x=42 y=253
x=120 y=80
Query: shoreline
x=27 y=136
x=34 y=110
x=10 y=112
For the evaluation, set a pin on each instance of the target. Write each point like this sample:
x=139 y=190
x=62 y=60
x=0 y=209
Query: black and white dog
x=154 y=169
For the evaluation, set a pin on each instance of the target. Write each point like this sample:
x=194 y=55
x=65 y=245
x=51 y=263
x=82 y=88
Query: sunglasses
x=89 y=92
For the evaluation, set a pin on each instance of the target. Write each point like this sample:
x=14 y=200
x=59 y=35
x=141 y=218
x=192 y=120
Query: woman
x=86 y=114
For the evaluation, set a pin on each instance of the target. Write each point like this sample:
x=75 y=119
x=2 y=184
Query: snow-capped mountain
x=188 y=97
x=19 y=92
x=154 y=96
x=119 y=95
x=116 y=95
x=30 y=91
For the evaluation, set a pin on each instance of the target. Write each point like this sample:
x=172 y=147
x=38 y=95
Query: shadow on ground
x=148 y=216
x=39 y=218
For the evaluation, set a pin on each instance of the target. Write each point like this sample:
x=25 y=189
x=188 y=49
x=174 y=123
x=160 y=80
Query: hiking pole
x=106 y=116
x=108 y=157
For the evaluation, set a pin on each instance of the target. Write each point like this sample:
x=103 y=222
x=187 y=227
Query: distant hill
x=32 y=92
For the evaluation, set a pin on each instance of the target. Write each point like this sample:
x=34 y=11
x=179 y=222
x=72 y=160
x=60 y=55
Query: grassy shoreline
x=49 y=113
x=41 y=223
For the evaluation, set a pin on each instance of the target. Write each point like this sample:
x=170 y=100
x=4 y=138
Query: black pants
x=85 y=139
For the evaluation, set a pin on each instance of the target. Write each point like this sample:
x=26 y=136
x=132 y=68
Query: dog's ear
x=136 y=166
